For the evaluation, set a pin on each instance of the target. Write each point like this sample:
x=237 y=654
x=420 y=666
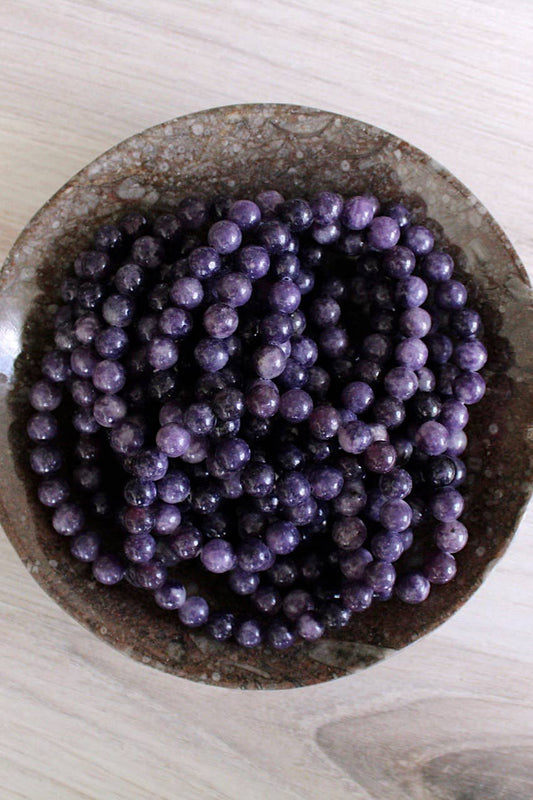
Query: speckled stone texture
x=239 y=150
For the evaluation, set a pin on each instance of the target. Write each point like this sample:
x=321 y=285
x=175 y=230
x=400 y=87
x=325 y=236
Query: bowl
x=238 y=150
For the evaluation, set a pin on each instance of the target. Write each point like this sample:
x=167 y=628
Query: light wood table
x=450 y=717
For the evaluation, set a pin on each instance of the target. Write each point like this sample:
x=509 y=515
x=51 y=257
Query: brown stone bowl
x=297 y=150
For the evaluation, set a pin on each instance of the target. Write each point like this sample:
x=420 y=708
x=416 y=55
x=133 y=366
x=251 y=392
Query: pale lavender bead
x=269 y=361
x=426 y=380
x=383 y=233
x=470 y=356
x=355 y=437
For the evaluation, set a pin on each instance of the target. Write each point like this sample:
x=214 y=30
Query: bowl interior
x=239 y=150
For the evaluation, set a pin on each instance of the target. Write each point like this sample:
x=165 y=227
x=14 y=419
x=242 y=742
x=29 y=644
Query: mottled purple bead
x=85 y=546
x=171 y=596
x=358 y=212
x=217 y=556
x=383 y=233
x=274 y=236
x=194 y=612
x=108 y=569
x=412 y=588
x=432 y=438
x=295 y=405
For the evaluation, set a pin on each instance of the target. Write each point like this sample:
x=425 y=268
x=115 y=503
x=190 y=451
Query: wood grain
x=449 y=718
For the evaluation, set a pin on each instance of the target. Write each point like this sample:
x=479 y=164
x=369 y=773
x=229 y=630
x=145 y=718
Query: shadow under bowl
x=238 y=150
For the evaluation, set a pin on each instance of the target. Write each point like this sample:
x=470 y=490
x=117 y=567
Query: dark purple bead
x=412 y=587
x=85 y=546
x=194 y=612
x=274 y=236
x=108 y=569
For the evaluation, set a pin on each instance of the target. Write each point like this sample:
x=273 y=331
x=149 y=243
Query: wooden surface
x=449 y=718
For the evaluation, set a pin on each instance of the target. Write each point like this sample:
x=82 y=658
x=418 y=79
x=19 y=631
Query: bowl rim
x=12 y=528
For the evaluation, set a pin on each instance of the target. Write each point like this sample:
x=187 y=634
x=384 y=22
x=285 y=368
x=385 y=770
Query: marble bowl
x=297 y=150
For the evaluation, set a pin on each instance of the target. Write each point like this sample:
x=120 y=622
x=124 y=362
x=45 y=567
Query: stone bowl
x=238 y=150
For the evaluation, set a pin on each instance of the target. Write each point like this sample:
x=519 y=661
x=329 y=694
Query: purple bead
x=192 y=211
x=297 y=214
x=111 y=343
x=150 y=464
x=194 y=612
x=326 y=234
x=171 y=596
x=440 y=568
x=348 y=533
x=174 y=487
x=324 y=422
x=326 y=207
x=109 y=377
x=326 y=482
x=243 y=582
x=357 y=596
x=217 y=556
x=152 y=575
x=254 y=261
x=129 y=279
x=438 y=267
x=56 y=366
x=248 y=633
x=245 y=213
x=118 y=310
x=358 y=212
x=411 y=353
x=325 y=311
x=187 y=292
x=383 y=233
x=380 y=457
x=274 y=236
x=457 y=443
x=108 y=569
x=450 y=295
x=282 y=537
x=351 y=500
x=263 y=399
x=267 y=600
x=450 y=537
x=232 y=454
x=333 y=341
x=234 y=289
x=395 y=515
x=355 y=437
x=440 y=348
x=295 y=405
x=432 y=438
x=415 y=322
x=269 y=202
x=211 y=354
x=419 y=239
x=412 y=588
x=220 y=321
x=68 y=519
x=411 y=292
x=253 y=555
x=173 y=440
x=108 y=410
x=269 y=361
x=453 y=415
x=279 y=636
x=380 y=575
x=83 y=362
x=220 y=626
x=465 y=323
x=284 y=296
x=318 y=381
x=469 y=388
x=53 y=491
x=357 y=397
x=126 y=438
x=42 y=427
x=470 y=355
x=140 y=548
x=304 y=350
x=92 y=265
x=447 y=505
x=204 y=262
x=258 y=479
x=85 y=546
x=401 y=383
x=147 y=252
x=187 y=542
x=293 y=488
x=176 y=323
x=309 y=627
x=387 y=546
x=167 y=519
